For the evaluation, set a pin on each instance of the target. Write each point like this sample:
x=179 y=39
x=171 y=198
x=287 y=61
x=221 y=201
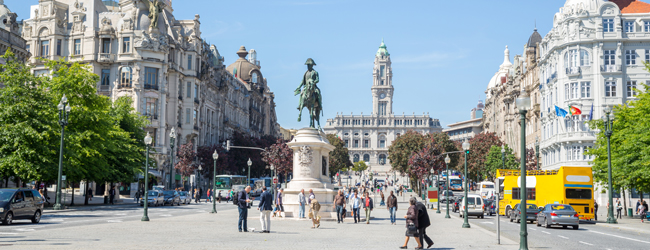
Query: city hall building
x=368 y=137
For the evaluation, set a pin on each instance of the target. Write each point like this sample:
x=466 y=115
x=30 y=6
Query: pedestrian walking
x=412 y=224
x=243 y=204
x=137 y=196
x=314 y=207
x=111 y=194
x=392 y=207
x=619 y=207
x=89 y=193
x=595 y=210
x=642 y=210
x=278 y=203
x=368 y=206
x=339 y=205
x=311 y=196
x=265 y=207
x=355 y=201
x=197 y=195
x=208 y=194
x=423 y=223
x=382 y=203
x=302 y=201
x=219 y=196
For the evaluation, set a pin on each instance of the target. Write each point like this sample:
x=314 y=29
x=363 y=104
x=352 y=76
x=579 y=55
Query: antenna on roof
x=535 y=24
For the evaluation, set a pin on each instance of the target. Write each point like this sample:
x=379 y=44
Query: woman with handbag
x=412 y=224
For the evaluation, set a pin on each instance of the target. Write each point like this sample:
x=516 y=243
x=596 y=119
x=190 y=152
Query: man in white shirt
x=303 y=202
x=355 y=201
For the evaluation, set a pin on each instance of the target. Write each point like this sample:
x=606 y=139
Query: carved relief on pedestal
x=305 y=160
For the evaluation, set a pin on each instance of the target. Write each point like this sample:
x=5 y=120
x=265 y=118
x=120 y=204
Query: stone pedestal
x=310 y=171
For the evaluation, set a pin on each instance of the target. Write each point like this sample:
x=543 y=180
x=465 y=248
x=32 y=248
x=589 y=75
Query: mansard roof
x=632 y=6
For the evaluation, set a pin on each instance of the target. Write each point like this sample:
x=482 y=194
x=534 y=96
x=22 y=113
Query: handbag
x=412 y=229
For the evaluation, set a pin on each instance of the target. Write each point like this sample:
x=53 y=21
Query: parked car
x=531 y=213
x=155 y=198
x=558 y=214
x=474 y=206
x=446 y=195
x=172 y=197
x=185 y=197
x=20 y=204
x=490 y=207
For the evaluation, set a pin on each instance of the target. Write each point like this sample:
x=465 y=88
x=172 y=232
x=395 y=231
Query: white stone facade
x=173 y=76
x=466 y=130
x=593 y=56
x=368 y=137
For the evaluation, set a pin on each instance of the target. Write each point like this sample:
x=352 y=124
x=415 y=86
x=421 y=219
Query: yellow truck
x=567 y=185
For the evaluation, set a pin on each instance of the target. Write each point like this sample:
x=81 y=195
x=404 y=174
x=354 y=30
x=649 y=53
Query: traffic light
x=228 y=146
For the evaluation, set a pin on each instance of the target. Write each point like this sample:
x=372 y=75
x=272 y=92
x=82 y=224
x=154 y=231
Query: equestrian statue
x=310 y=96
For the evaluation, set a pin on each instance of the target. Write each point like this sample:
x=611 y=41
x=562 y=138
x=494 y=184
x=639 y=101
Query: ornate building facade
x=465 y=130
x=368 y=137
x=174 y=77
x=10 y=36
x=592 y=57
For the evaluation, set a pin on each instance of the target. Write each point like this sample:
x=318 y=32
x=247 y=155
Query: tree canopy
x=339 y=157
x=494 y=161
x=480 y=146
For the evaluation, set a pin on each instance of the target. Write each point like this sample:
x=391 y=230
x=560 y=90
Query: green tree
x=401 y=149
x=339 y=157
x=280 y=155
x=442 y=139
x=480 y=146
x=494 y=161
x=359 y=166
x=29 y=132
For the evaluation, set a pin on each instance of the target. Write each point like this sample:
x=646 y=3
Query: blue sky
x=443 y=52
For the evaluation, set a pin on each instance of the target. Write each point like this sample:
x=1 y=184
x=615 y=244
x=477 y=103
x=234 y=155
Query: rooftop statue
x=310 y=96
x=155 y=8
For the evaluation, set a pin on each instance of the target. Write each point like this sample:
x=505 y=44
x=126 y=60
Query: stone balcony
x=610 y=69
x=573 y=71
x=106 y=58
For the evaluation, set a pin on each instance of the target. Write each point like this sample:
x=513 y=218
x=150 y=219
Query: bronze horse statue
x=310 y=96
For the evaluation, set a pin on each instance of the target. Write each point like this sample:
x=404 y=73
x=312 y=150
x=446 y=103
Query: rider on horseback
x=310 y=96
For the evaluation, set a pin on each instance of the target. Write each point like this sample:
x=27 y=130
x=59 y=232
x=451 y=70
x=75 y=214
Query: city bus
x=567 y=185
x=224 y=183
x=455 y=183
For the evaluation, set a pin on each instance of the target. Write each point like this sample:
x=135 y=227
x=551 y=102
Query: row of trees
x=104 y=141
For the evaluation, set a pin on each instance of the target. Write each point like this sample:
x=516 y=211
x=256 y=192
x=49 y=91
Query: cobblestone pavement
x=199 y=229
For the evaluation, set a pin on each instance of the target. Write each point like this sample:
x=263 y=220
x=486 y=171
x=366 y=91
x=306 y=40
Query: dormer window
x=254 y=77
x=608 y=25
x=629 y=26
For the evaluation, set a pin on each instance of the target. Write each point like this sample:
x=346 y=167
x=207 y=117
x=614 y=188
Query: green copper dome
x=382 y=49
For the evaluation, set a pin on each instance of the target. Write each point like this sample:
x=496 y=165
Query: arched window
x=254 y=77
x=584 y=58
x=355 y=158
x=125 y=77
x=366 y=157
x=382 y=159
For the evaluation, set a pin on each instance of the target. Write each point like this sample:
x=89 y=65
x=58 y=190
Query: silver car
x=185 y=197
x=558 y=214
x=156 y=198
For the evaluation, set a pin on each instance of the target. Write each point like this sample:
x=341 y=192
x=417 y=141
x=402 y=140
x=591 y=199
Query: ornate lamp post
x=437 y=185
x=172 y=139
x=147 y=142
x=215 y=156
x=537 y=151
x=64 y=111
x=447 y=161
x=523 y=104
x=198 y=185
x=608 y=120
x=273 y=180
x=466 y=149
x=249 y=171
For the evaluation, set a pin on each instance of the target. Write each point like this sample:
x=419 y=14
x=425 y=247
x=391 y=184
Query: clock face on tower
x=382 y=95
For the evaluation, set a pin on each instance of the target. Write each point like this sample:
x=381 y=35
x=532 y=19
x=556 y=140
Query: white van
x=486 y=189
x=474 y=206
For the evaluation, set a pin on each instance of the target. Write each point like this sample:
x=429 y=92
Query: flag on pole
x=574 y=110
x=560 y=112
x=591 y=113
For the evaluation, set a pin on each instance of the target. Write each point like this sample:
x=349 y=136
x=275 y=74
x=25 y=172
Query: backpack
x=315 y=205
x=235 y=199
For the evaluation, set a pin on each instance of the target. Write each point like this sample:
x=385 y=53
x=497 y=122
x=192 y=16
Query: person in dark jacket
x=423 y=223
x=243 y=200
x=412 y=219
x=265 y=207
x=368 y=206
x=339 y=205
x=392 y=207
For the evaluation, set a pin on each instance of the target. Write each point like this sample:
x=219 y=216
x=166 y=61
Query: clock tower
x=382 y=86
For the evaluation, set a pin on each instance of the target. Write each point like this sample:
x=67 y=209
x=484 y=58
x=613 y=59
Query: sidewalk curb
x=507 y=242
x=616 y=226
x=49 y=210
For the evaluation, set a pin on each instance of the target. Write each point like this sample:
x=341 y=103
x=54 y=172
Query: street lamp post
x=172 y=139
x=523 y=103
x=447 y=161
x=64 y=111
x=608 y=119
x=466 y=149
x=537 y=151
x=147 y=142
x=198 y=185
x=249 y=171
x=215 y=156
x=273 y=180
x=498 y=188
x=437 y=187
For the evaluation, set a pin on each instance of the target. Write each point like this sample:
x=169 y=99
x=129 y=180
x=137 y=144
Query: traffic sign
x=63 y=177
x=275 y=180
